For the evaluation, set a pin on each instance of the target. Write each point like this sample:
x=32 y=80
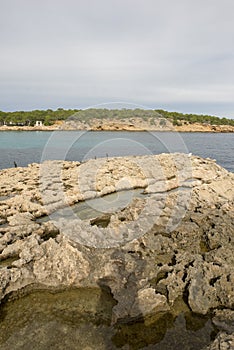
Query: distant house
x=39 y=123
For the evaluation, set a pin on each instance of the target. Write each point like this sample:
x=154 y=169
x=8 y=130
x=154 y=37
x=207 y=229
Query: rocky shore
x=160 y=255
x=134 y=124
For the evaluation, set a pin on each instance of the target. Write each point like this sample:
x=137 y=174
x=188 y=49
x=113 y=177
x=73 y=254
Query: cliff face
x=172 y=243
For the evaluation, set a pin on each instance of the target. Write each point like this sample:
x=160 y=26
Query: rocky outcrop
x=199 y=127
x=166 y=251
x=112 y=124
x=126 y=124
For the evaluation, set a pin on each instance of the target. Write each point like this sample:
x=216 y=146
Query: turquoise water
x=28 y=147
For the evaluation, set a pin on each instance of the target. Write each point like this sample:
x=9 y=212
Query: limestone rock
x=222 y=342
x=174 y=241
x=148 y=303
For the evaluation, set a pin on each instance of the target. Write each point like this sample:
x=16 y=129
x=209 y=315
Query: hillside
x=114 y=119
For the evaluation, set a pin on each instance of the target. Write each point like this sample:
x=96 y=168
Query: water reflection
x=83 y=319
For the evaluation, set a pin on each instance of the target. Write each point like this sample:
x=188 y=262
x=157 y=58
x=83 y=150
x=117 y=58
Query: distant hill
x=177 y=117
x=152 y=117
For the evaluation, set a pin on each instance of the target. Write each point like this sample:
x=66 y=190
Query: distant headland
x=112 y=120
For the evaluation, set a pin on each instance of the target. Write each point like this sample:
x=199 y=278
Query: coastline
x=184 y=128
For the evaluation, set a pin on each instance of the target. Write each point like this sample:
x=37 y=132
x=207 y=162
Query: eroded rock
x=175 y=241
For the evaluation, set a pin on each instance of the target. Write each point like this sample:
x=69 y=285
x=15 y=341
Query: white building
x=39 y=123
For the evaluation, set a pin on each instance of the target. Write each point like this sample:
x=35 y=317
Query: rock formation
x=166 y=251
x=126 y=124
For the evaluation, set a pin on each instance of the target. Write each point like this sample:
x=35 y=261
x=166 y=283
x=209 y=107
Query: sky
x=176 y=55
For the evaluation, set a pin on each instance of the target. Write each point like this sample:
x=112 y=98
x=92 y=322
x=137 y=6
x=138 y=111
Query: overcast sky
x=170 y=54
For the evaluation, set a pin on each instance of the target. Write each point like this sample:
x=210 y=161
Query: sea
x=20 y=148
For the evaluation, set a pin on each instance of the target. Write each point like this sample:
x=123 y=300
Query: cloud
x=158 y=53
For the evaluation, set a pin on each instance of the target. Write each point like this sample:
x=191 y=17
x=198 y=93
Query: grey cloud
x=71 y=53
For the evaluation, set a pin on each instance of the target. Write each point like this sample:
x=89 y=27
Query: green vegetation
x=119 y=114
x=48 y=117
x=177 y=117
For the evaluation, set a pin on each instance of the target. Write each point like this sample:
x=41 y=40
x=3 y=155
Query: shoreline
x=220 y=129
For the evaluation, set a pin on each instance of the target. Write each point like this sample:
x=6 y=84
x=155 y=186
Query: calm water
x=81 y=319
x=28 y=147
